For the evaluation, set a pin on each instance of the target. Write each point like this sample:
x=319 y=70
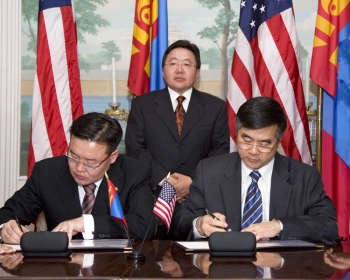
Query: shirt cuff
x=281 y=225
x=89 y=226
x=88 y=260
x=196 y=234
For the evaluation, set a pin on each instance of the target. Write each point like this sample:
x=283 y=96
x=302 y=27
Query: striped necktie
x=252 y=211
x=89 y=198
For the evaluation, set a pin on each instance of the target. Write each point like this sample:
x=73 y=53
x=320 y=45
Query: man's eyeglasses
x=86 y=165
x=184 y=65
x=260 y=148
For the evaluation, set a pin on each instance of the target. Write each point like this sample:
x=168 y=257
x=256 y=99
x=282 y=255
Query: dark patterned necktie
x=89 y=198
x=180 y=114
x=252 y=211
x=87 y=271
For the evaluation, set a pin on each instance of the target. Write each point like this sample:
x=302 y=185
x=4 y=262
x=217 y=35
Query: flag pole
x=319 y=129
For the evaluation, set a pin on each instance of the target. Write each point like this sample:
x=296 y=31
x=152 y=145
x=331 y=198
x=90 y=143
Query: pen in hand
x=216 y=218
x=19 y=225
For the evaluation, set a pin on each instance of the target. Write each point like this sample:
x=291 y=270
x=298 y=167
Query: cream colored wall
x=104 y=88
x=10 y=76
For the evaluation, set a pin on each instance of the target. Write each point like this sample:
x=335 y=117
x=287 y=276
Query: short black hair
x=260 y=112
x=98 y=127
x=185 y=44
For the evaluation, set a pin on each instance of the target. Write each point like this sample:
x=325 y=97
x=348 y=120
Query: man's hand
x=264 y=230
x=268 y=259
x=71 y=227
x=339 y=260
x=206 y=225
x=6 y=249
x=181 y=184
x=11 y=261
x=203 y=262
x=11 y=233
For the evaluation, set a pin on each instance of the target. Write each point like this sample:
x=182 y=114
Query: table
x=164 y=260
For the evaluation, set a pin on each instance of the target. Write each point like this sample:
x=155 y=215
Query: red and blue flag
x=114 y=203
x=330 y=70
x=150 y=40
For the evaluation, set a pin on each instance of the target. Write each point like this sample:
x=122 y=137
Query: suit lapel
x=115 y=174
x=280 y=190
x=194 y=113
x=231 y=192
x=164 y=109
x=69 y=194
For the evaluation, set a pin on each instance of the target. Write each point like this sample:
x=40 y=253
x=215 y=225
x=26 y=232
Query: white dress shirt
x=174 y=95
x=264 y=185
x=89 y=225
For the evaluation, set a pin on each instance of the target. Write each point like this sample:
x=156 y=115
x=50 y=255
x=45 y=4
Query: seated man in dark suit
x=72 y=190
x=172 y=129
x=256 y=189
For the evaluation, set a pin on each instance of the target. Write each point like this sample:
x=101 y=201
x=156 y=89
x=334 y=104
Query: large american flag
x=164 y=207
x=57 y=97
x=266 y=62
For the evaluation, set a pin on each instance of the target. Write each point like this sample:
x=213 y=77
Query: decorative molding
x=10 y=81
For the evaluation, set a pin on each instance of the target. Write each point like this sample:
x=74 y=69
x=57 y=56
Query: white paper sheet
x=193 y=246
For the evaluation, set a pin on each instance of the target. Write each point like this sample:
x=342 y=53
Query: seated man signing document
x=256 y=189
x=72 y=189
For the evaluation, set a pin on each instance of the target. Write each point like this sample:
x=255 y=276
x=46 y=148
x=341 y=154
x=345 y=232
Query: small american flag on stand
x=165 y=204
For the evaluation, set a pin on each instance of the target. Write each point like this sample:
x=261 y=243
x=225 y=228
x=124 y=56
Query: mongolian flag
x=331 y=71
x=57 y=97
x=114 y=203
x=150 y=40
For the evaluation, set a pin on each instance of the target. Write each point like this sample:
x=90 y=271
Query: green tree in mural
x=111 y=50
x=88 y=21
x=303 y=52
x=225 y=28
x=210 y=57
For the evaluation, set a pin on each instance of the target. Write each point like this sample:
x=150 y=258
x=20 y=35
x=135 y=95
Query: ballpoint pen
x=216 y=218
x=19 y=225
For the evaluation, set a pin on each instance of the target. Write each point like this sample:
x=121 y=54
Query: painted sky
x=185 y=13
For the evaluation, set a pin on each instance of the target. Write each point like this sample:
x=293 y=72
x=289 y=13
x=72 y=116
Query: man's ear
x=114 y=156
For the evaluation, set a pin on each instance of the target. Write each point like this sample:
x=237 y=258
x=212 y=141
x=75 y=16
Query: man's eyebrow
x=87 y=159
x=244 y=135
x=268 y=141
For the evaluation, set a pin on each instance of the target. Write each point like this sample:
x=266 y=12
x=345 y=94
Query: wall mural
x=105 y=31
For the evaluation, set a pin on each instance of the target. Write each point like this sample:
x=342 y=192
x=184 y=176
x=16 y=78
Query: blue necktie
x=259 y=271
x=252 y=211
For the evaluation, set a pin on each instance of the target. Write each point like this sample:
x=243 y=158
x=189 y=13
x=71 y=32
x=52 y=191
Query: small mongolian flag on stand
x=114 y=203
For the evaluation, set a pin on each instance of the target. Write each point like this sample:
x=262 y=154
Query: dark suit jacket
x=152 y=136
x=297 y=198
x=52 y=189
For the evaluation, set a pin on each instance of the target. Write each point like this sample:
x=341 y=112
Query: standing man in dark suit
x=58 y=187
x=289 y=193
x=153 y=134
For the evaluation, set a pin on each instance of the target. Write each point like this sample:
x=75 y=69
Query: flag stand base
x=137 y=256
